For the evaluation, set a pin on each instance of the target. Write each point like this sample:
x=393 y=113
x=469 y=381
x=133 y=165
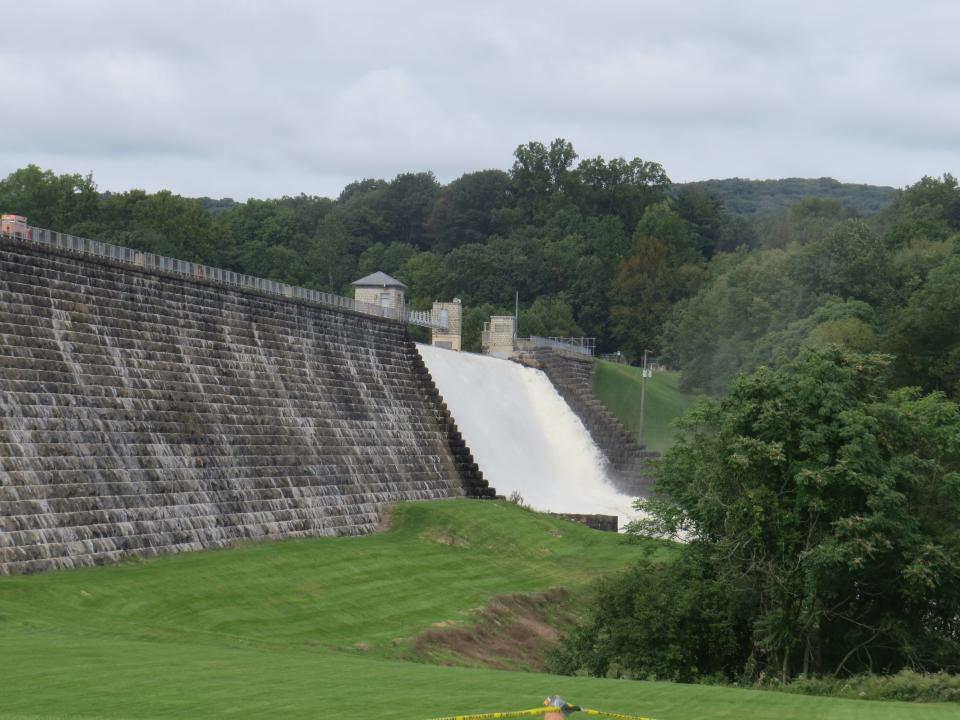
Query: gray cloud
x=269 y=98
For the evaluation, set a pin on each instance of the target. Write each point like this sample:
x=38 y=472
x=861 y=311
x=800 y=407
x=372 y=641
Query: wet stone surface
x=142 y=414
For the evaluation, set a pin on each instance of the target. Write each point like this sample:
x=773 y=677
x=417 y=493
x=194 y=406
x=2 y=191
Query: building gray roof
x=378 y=279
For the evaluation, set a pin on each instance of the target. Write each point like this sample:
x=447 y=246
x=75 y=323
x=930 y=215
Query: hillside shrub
x=819 y=512
x=906 y=685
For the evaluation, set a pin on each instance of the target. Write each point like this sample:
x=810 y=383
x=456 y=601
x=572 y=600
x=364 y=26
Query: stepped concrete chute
x=572 y=375
x=143 y=413
x=525 y=436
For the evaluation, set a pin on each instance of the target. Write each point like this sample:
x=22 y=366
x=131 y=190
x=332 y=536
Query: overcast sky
x=263 y=99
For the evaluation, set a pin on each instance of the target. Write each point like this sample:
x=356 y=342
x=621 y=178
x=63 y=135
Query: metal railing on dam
x=580 y=346
x=198 y=271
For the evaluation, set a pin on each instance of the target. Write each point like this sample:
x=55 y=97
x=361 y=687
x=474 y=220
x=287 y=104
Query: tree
x=913 y=263
x=663 y=222
x=851 y=324
x=810 y=220
x=466 y=210
x=942 y=193
x=662 y=619
x=824 y=503
x=852 y=333
x=58 y=202
x=620 y=187
x=925 y=334
x=640 y=297
x=423 y=275
x=549 y=316
x=713 y=335
x=561 y=256
x=819 y=512
x=387 y=258
x=851 y=262
x=927 y=210
x=331 y=259
x=359 y=212
x=589 y=299
x=166 y=224
x=705 y=216
x=539 y=172
x=405 y=205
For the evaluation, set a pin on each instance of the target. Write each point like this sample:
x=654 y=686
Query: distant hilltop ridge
x=757 y=197
x=743 y=195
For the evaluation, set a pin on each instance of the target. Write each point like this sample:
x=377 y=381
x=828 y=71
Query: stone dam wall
x=143 y=413
x=572 y=376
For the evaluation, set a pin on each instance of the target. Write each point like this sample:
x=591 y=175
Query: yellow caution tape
x=494 y=715
x=542 y=711
x=614 y=716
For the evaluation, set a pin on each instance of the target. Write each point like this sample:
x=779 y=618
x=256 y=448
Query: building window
x=385 y=299
x=445 y=317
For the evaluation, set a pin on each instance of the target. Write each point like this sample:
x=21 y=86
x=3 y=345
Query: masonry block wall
x=142 y=413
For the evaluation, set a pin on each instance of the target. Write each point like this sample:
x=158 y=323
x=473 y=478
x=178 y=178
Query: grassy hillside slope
x=310 y=628
x=619 y=386
x=437 y=562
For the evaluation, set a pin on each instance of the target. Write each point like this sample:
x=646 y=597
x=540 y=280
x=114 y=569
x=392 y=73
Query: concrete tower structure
x=499 y=336
x=451 y=315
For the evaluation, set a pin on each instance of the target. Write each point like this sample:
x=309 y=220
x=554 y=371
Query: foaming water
x=523 y=435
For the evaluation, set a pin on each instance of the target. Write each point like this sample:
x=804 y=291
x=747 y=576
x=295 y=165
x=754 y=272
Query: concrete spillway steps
x=526 y=438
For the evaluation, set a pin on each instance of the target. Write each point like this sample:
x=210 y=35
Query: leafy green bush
x=819 y=512
x=658 y=621
x=906 y=685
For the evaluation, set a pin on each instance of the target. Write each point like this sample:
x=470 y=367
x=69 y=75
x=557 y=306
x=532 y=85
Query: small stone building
x=451 y=315
x=379 y=289
x=499 y=335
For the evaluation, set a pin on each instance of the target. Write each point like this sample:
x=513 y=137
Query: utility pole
x=516 y=316
x=643 y=395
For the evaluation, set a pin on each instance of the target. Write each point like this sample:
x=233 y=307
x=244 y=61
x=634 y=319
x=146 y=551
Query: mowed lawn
x=309 y=629
x=619 y=388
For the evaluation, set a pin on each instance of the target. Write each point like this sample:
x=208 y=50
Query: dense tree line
x=889 y=283
x=563 y=233
x=766 y=197
x=819 y=506
x=606 y=248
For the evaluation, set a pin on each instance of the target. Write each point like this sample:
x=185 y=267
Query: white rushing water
x=523 y=435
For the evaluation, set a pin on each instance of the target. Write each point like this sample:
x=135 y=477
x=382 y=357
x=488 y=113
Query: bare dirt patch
x=511 y=632
x=445 y=536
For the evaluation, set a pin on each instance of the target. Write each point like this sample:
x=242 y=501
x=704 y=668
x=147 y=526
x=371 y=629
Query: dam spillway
x=524 y=435
x=146 y=413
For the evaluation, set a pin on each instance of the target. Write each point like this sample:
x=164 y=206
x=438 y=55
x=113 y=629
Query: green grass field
x=313 y=629
x=618 y=387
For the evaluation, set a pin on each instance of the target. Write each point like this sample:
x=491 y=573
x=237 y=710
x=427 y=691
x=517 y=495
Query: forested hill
x=759 y=197
x=748 y=197
x=607 y=248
